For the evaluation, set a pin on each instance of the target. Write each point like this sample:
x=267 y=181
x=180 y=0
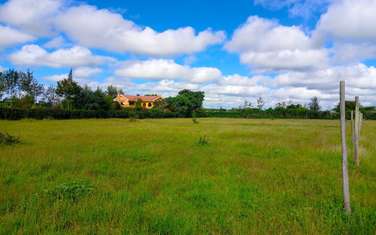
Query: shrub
x=7 y=139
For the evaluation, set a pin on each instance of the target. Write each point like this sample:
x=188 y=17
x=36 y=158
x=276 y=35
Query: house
x=129 y=101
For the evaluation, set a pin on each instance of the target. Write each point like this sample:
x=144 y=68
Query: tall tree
x=49 y=96
x=314 y=105
x=69 y=90
x=113 y=91
x=29 y=85
x=260 y=103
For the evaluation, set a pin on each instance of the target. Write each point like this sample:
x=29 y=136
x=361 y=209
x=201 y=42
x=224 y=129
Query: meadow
x=174 y=176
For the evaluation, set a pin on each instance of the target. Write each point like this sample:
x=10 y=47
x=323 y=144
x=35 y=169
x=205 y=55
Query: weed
x=203 y=140
x=195 y=121
x=7 y=139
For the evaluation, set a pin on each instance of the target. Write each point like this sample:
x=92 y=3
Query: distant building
x=129 y=101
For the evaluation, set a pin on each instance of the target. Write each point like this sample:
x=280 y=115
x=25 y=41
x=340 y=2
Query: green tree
x=29 y=85
x=260 y=103
x=186 y=102
x=69 y=90
x=314 y=105
x=113 y=91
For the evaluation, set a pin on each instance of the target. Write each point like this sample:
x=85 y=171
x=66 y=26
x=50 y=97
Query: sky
x=234 y=51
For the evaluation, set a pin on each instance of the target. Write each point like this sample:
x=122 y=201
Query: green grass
x=153 y=176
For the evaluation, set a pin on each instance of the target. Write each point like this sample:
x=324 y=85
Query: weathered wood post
x=352 y=127
x=356 y=131
x=345 y=175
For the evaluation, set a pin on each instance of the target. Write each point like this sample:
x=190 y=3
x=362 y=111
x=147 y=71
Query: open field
x=152 y=176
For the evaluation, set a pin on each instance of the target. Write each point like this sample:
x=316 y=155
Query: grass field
x=152 y=176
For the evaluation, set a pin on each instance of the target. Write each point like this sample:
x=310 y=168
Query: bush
x=57 y=113
x=7 y=139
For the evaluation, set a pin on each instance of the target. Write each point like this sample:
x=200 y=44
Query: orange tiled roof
x=146 y=98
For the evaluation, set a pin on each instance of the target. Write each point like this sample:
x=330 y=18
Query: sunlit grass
x=153 y=176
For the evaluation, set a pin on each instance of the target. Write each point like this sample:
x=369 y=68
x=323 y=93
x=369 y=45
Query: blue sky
x=283 y=51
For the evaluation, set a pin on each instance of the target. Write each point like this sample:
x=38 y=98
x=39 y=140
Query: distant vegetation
x=22 y=96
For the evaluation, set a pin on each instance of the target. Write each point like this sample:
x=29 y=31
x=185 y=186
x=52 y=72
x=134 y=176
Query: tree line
x=22 y=96
x=20 y=93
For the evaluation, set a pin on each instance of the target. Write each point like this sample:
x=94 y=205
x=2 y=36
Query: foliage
x=113 y=91
x=260 y=103
x=314 y=105
x=20 y=89
x=186 y=102
x=7 y=139
x=70 y=91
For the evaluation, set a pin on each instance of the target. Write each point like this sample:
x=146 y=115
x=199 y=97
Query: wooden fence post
x=352 y=127
x=356 y=131
x=345 y=175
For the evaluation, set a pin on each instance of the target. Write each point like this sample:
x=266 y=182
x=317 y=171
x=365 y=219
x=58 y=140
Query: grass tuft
x=71 y=191
x=7 y=139
x=203 y=140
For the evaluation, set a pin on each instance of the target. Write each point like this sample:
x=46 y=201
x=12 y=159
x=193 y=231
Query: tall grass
x=151 y=176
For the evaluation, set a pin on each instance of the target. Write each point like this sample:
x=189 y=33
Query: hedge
x=48 y=113
x=44 y=113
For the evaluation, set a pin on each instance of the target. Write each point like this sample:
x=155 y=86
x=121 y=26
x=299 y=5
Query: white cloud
x=349 y=25
x=56 y=77
x=86 y=72
x=56 y=42
x=265 y=45
x=35 y=17
x=34 y=55
x=161 y=69
x=1 y=69
x=10 y=37
x=100 y=28
x=349 y=21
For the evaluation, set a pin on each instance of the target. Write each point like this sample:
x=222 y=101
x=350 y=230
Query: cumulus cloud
x=101 y=28
x=89 y=26
x=161 y=69
x=34 y=55
x=265 y=45
x=10 y=37
x=34 y=17
x=350 y=26
x=349 y=20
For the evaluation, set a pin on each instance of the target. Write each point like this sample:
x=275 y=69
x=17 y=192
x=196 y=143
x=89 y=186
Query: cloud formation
x=102 y=28
x=266 y=45
x=161 y=69
x=10 y=36
x=34 y=55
